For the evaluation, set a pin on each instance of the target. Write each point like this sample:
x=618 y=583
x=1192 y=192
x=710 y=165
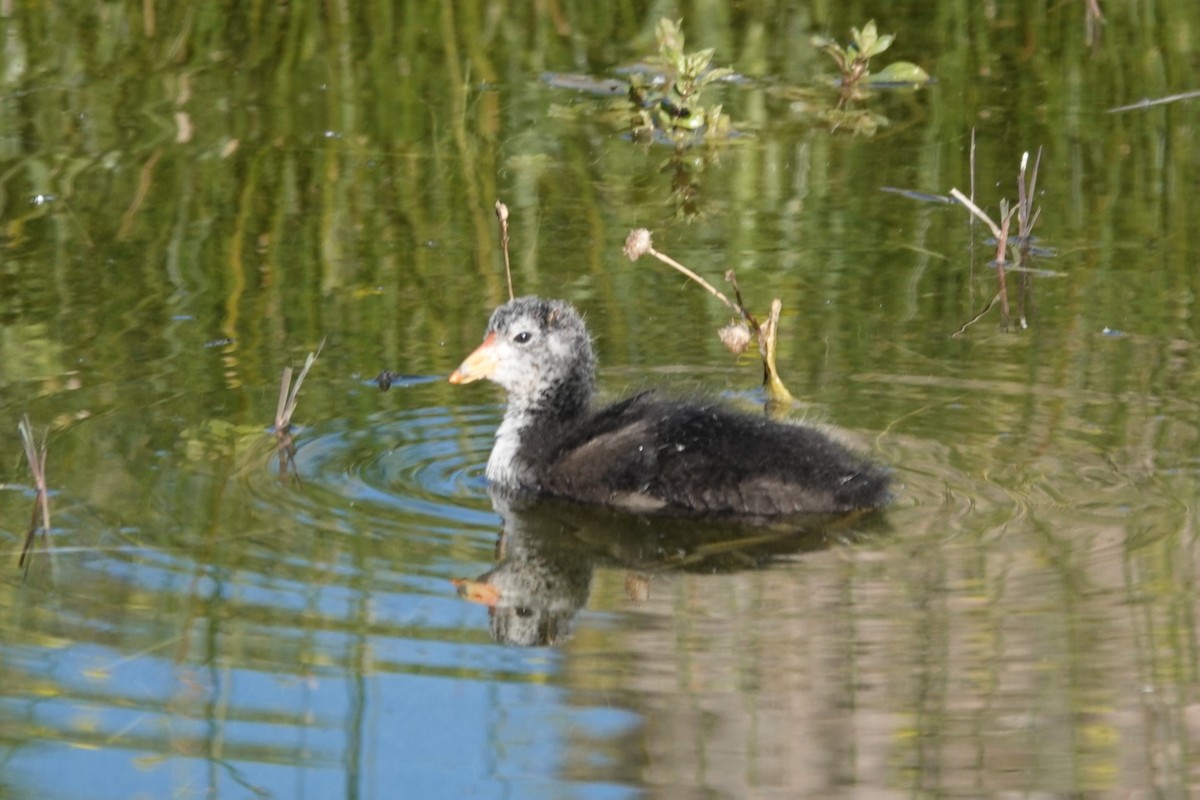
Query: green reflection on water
x=194 y=196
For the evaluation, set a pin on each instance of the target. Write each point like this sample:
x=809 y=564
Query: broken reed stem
x=41 y=503
x=1027 y=216
x=766 y=342
x=1026 y=191
x=289 y=395
x=1022 y=197
x=971 y=220
x=976 y=210
x=285 y=387
x=502 y=215
x=1001 y=248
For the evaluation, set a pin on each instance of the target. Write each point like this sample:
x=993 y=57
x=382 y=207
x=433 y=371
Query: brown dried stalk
x=502 y=215
x=41 y=503
x=639 y=243
x=289 y=396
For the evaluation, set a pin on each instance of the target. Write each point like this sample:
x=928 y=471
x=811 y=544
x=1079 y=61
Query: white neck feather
x=502 y=466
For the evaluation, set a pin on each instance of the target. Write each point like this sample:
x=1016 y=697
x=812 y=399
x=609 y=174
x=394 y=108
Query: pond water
x=194 y=197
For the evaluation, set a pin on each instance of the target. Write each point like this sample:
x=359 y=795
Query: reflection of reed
x=1057 y=660
x=1036 y=651
x=35 y=456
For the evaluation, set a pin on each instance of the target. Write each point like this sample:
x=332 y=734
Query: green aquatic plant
x=676 y=112
x=855 y=82
x=855 y=61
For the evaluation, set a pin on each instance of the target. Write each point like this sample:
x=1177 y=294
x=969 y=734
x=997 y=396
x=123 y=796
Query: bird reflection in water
x=548 y=550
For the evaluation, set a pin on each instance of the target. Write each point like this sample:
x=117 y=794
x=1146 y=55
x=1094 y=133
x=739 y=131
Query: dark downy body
x=645 y=453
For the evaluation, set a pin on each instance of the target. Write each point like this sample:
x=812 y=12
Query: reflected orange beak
x=480 y=364
x=477 y=592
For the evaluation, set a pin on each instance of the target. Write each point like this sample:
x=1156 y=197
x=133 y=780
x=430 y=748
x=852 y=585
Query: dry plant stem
x=1026 y=191
x=670 y=262
x=1022 y=197
x=289 y=395
x=971 y=221
x=285 y=387
x=731 y=278
x=1001 y=247
x=766 y=343
x=639 y=243
x=285 y=447
x=41 y=503
x=502 y=215
x=976 y=210
x=1027 y=217
x=288 y=398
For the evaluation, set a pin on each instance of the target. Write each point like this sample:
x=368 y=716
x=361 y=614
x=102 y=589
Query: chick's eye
x=522 y=337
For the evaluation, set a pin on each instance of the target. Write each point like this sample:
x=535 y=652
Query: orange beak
x=480 y=364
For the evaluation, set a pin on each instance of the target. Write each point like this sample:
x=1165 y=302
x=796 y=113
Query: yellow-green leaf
x=879 y=45
x=902 y=72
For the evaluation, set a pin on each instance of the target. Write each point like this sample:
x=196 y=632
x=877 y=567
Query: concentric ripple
x=417 y=468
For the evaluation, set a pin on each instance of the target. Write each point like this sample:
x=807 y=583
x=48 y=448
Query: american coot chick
x=646 y=454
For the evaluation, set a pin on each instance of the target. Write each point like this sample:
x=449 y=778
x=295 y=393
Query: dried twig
x=639 y=243
x=502 y=215
x=1093 y=18
x=1001 y=272
x=1027 y=217
x=41 y=503
x=976 y=210
x=284 y=410
x=289 y=395
x=766 y=340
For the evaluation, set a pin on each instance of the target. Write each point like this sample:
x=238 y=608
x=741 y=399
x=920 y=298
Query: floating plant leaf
x=900 y=73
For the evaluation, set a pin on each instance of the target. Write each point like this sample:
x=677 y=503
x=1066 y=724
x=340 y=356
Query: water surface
x=193 y=199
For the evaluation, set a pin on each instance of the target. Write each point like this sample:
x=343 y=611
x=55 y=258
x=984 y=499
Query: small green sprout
x=854 y=60
x=677 y=111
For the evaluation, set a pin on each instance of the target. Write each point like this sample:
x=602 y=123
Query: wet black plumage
x=647 y=453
